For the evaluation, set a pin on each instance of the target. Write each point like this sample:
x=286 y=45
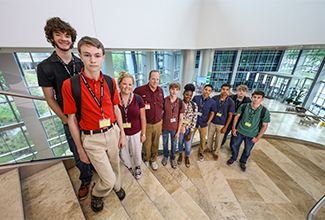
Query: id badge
x=126 y=125
x=185 y=122
x=199 y=113
x=104 y=123
x=248 y=124
x=173 y=120
x=147 y=106
x=219 y=114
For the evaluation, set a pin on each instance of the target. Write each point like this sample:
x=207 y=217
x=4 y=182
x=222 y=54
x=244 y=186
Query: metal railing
x=316 y=208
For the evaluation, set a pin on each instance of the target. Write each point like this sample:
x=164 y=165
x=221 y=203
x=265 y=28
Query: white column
x=187 y=67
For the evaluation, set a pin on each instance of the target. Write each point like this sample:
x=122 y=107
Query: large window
x=311 y=62
x=15 y=143
x=260 y=60
x=222 y=67
x=318 y=105
x=288 y=61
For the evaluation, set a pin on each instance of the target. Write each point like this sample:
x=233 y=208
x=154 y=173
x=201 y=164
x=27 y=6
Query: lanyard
x=221 y=103
x=238 y=103
x=66 y=66
x=127 y=107
x=93 y=95
x=202 y=103
x=250 y=113
x=171 y=105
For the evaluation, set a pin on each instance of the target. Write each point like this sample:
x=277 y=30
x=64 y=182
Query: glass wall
x=318 y=105
x=310 y=64
x=289 y=61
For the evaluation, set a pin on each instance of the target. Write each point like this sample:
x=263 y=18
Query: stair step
x=112 y=205
x=48 y=195
x=10 y=191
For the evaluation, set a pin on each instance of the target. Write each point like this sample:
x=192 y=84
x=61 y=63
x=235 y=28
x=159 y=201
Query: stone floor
x=283 y=180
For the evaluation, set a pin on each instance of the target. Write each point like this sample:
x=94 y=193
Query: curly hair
x=56 y=24
x=189 y=87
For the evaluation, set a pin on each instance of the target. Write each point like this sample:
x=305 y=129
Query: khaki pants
x=203 y=136
x=151 y=144
x=215 y=129
x=103 y=153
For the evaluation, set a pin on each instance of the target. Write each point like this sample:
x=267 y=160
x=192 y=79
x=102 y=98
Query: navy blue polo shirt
x=222 y=110
x=204 y=107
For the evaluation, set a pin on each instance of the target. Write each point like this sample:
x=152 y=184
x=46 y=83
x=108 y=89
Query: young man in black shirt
x=51 y=74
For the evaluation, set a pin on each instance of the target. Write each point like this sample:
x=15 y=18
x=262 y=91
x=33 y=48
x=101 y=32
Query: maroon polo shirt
x=154 y=99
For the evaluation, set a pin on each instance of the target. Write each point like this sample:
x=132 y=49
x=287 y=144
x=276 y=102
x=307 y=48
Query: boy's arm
x=234 y=130
x=211 y=115
x=224 y=129
x=117 y=112
x=179 y=125
x=262 y=131
x=54 y=105
x=75 y=133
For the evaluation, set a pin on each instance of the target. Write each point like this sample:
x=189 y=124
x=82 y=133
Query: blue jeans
x=85 y=172
x=173 y=143
x=182 y=141
x=236 y=145
x=226 y=134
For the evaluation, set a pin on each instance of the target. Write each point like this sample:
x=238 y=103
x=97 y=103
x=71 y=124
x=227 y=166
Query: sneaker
x=97 y=203
x=230 y=162
x=120 y=194
x=243 y=167
x=201 y=157
x=147 y=164
x=138 y=172
x=164 y=161
x=180 y=159
x=187 y=162
x=154 y=165
x=215 y=156
x=83 y=191
x=173 y=164
x=131 y=171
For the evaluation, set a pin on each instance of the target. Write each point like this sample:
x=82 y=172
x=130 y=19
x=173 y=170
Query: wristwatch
x=143 y=135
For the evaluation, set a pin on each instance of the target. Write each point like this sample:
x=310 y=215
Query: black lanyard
x=171 y=105
x=250 y=112
x=127 y=107
x=66 y=66
x=202 y=103
x=221 y=103
x=93 y=95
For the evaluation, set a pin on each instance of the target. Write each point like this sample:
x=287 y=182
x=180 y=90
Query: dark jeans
x=236 y=145
x=85 y=172
x=226 y=134
x=172 y=134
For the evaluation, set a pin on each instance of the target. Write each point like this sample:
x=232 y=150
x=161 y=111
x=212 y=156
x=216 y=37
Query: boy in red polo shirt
x=100 y=122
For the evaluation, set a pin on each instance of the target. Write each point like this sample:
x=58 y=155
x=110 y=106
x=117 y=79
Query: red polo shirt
x=154 y=99
x=90 y=111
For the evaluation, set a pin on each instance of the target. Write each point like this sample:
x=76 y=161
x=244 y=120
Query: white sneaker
x=154 y=165
x=147 y=164
x=137 y=173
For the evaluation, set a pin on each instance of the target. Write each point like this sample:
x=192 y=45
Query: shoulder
x=140 y=89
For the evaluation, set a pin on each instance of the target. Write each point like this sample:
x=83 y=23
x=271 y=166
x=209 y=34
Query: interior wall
x=168 y=24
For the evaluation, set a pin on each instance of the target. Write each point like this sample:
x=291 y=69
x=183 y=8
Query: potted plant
x=292 y=95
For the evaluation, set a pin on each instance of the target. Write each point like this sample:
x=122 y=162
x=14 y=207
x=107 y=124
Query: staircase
x=207 y=190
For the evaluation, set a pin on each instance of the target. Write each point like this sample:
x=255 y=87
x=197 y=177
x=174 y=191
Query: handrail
x=297 y=113
x=21 y=95
x=316 y=208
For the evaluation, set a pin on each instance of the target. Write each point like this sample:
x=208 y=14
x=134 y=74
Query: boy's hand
x=234 y=132
x=223 y=130
x=83 y=156
x=254 y=140
x=176 y=135
x=121 y=142
x=188 y=137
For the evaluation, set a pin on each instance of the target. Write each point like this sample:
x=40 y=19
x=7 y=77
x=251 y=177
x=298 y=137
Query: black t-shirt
x=52 y=73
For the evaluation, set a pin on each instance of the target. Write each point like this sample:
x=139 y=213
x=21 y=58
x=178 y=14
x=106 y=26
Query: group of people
x=100 y=122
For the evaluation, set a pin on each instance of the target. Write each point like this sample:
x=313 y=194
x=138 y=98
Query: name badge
x=219 y=114
x=199 y=113
x=248 y=124
x=147 y=106
x=104 y=123
x=126 y=125
x=173 y=120
x=185 y=122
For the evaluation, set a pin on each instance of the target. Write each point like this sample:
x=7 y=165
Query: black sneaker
x=120 y=194
x=97 y=203
x=243 y=167
x=230 y=162
x=138 y=172
x=201 y=157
